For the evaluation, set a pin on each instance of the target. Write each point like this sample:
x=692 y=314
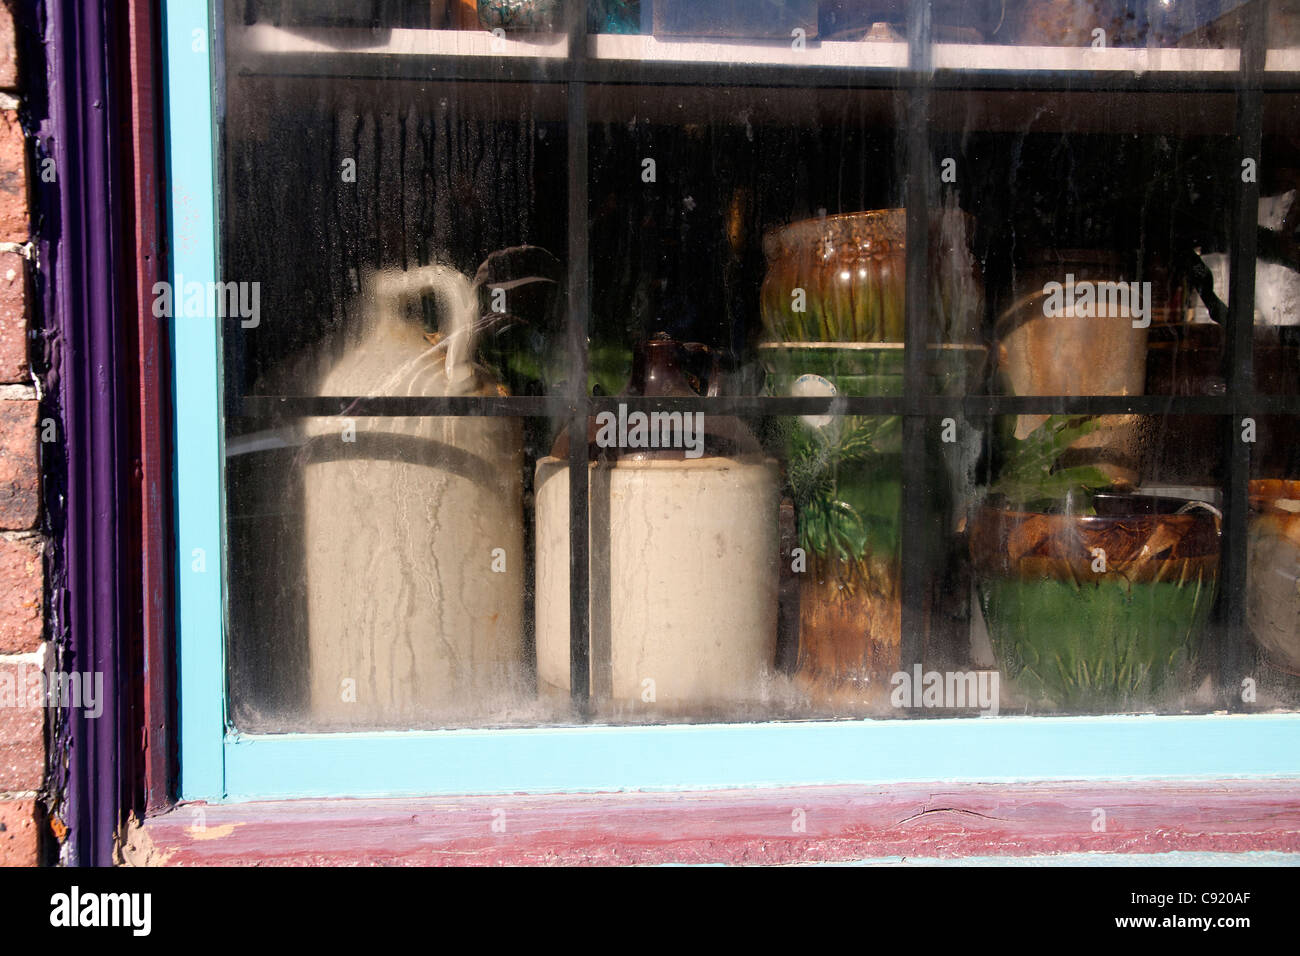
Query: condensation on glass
x=1010 y=488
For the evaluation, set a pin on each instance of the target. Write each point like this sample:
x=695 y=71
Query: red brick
x=18 y=833
x=22 y=730
x=13 y=318
x=13 y=179
x=8 y=49
x=19 y=467
x=22 y=590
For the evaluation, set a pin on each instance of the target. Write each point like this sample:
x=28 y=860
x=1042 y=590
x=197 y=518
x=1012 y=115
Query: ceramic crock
x=842 y=278
x=849 y=601
x=1096 y=611
x=1042 y=350
x=414 y=526
x=1273 y=563
x=833 y=302
x=684 y=566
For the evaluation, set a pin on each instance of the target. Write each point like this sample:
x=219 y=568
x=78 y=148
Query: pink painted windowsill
x=778 y=826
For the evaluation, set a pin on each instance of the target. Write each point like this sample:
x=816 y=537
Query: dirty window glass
x=644 y=362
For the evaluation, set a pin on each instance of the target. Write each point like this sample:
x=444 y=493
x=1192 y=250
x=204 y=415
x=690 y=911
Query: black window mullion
x=579 y=294
x=1240 y=344
x=914 y=568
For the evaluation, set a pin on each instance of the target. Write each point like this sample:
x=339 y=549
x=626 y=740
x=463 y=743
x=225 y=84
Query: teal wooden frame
x=218 y=763
x=199 y=427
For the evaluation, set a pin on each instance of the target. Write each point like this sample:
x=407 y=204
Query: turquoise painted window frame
x=218 y=763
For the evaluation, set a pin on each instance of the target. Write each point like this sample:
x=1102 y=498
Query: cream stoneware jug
x=414 y=525
x=684 y=569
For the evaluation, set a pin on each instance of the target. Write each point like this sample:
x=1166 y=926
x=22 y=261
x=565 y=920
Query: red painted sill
x=807 y=824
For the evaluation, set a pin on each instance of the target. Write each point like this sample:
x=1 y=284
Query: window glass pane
x=1277 y=270
x=1063 y=34
x=400 y=227
x=812 y=488
x=685 y=568
x=1273 y=612
x=1097 y=595
x=1283 y=39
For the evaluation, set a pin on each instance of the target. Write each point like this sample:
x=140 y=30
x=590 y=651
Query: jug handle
x=1202 y=282
x=458 y=307
x=715 y=366
x=1204 y=506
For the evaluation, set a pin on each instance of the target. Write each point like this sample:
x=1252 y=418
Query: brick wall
x=22 y=581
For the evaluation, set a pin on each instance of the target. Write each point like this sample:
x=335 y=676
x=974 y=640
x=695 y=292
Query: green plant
x=1030 y=475
x=841 y=515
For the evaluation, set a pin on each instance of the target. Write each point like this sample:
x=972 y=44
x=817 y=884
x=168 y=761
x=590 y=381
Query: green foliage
x=845 y=511
x=1096 y=646
x=1029 y=476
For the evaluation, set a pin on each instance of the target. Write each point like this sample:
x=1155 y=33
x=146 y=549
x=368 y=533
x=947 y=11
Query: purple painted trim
x=80 y=264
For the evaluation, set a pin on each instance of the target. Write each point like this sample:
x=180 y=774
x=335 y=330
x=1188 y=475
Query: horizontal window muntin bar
x=270 y=406
x=506 y=69
x=1086 y=81
x=1270 y=405
x=653 y=73
x=401 y=406
x=975 y=406
x=972 y=406
x=661 y=72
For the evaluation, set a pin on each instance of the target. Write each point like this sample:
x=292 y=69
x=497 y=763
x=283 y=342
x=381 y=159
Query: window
x=674 y=394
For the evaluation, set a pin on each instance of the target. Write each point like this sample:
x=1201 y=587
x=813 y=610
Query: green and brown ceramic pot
x=843 y=279
x=1097 y=611
x=1273 y=562
x=849 y=601
x=833 y=305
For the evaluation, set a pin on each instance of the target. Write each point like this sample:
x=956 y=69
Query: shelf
x=977 y=57
x=643 y=59
x=263 y=50
x=264 y=40
x=830 y=53
x=1282 y=61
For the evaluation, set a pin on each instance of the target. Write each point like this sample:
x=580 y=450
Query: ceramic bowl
x=1096 y=611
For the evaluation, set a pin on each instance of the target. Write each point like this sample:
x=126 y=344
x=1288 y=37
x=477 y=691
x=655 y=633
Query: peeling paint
x=136 y=846
x=212 y=833
x=1241 y=821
